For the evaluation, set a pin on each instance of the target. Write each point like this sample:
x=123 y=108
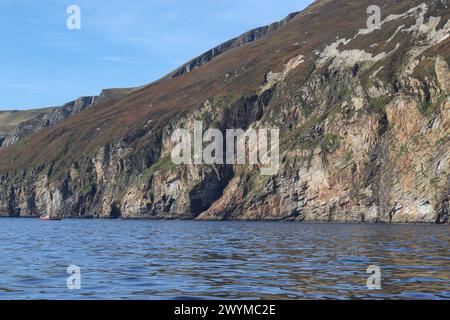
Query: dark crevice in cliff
x=376 y=175
x=443 y=208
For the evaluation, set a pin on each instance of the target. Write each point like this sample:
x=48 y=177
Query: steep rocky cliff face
x=364 y=119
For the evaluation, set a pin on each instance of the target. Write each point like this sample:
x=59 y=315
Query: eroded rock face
x=364 y=138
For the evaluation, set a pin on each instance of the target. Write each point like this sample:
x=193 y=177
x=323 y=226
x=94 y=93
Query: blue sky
x=120 y=44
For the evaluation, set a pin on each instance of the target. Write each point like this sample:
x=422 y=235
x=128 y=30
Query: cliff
x=364 y=119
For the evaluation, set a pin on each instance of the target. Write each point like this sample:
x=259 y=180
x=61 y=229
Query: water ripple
x=229 y=260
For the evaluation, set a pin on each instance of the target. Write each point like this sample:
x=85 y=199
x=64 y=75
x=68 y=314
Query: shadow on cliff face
x=240 y=115
x=210 y=189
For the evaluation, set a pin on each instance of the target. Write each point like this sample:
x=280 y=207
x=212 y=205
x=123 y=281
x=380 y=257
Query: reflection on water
x=233 y=260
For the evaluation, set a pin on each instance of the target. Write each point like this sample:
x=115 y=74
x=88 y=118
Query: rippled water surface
x=233 y=260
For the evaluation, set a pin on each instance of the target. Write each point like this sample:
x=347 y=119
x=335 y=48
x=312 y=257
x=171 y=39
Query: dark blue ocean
x=120 y=259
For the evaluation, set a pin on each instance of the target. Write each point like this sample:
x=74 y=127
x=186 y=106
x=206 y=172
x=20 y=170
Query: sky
x=120 y=44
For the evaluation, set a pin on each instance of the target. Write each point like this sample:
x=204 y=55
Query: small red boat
x=47 y=217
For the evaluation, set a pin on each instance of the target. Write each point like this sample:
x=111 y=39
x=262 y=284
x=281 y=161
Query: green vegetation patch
x=426 y=108
x=88 y=188
x=204 y=116
x=429 y=108
x=443 y=140
x=349 y=156
x=330 y=143
x=425 y=69
x=403 y=150
x=378 y=105
x=163 y=164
